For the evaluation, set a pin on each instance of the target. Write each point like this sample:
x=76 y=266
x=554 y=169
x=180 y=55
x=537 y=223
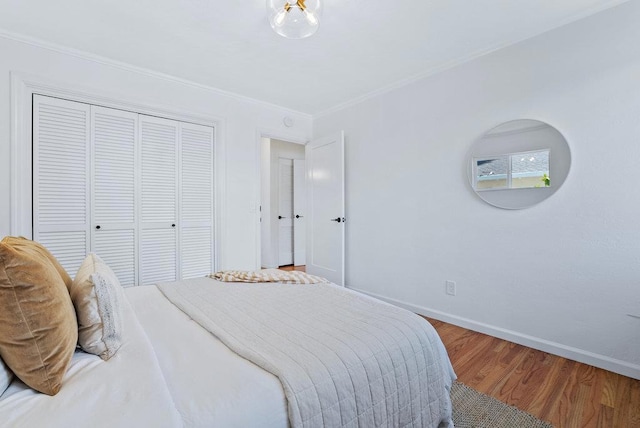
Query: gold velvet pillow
x=38 y=327
x=20 y=242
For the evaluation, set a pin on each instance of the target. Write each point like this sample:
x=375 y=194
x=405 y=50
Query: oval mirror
x=518 y=164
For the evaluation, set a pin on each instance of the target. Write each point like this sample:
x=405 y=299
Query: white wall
x=265 y=202
x=561 y=276
x=243 y=122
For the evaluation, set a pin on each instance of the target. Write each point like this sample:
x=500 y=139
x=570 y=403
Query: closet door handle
x=98 y=227
x=338 y=219
x=280 y=217
x=299 y=216
x=173 y=225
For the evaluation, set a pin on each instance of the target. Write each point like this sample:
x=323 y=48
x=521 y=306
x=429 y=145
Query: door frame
x=290 y=137
x=24 y=86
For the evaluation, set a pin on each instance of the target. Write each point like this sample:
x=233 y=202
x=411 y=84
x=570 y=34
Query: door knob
x=338 y=219
x=280 y=217
x=299 y=216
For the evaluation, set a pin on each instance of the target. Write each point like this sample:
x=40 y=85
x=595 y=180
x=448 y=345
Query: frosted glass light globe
x=294 y=19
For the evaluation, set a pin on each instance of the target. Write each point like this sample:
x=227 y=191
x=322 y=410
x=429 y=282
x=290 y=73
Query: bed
x=176 y=366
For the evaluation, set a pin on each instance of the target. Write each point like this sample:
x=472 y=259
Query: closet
x=137 y=190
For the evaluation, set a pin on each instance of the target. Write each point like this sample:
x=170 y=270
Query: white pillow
x=5 y=377
x=97 y=296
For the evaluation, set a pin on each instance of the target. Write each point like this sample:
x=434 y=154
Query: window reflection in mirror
x=492 y=173
x=512 y=171
x=530 y=170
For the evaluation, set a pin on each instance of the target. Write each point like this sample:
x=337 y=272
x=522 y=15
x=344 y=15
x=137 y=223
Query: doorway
x=283 y=202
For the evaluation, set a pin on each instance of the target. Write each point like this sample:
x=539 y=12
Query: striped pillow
x=97 y=296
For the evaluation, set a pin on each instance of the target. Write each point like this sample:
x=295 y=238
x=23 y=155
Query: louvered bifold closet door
x=61 y=132
x=197 y=196
x=158 y=201
x=113 y=228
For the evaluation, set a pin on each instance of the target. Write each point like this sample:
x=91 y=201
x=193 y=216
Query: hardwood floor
x=292 y=267
x=563 y=392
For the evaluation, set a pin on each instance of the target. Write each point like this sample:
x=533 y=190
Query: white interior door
x=197 y=203
x=113 y=196
x=61 y=169
x=299 y=210
x=158 y=207
x=325 y=207
x=285 y=212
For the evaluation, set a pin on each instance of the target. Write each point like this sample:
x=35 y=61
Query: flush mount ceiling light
x=294 y=19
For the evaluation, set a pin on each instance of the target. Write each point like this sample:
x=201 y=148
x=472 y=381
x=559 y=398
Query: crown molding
x=467 y=58
x=10 y=35
x=87 y=56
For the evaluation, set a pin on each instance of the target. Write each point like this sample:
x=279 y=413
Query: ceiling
x=362 y=45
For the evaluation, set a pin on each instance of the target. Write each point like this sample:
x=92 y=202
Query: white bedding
x=170 y=372
x=211 y=385
x=126 y=391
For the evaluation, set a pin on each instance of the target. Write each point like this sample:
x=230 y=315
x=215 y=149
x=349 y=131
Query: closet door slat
x=158 y=200
x=197 y=201
x=61 y=132
x=157 y=256
x=118 y=249
x=159 y=139
x=114 y=137
x=197 y=254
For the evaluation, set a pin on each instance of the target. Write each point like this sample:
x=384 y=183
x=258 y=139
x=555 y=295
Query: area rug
x=472 y=409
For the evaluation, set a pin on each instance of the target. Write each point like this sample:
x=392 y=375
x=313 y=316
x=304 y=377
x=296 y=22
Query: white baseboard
x=607 y=363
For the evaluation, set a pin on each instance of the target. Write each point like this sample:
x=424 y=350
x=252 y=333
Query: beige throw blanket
x=344 y=359
x=267 y=275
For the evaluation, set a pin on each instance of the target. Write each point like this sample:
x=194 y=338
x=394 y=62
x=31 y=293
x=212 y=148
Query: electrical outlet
x=450 y=288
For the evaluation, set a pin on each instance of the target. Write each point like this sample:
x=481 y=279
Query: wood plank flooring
x=563 y=392
x=292 y=267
